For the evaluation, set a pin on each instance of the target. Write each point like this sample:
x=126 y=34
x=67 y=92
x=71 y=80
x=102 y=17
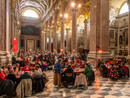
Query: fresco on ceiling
x=30 y=30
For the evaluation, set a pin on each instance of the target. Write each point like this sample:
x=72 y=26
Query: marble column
x=62 y=35
x=54 y=37
x=99 y=28
x=85 y=34
x=67 y=40
x=25 y=45
x=43 y=41
x=46 y=40
x=5 y=56
x=129 y=32
x=49 y=39
x=74 y=30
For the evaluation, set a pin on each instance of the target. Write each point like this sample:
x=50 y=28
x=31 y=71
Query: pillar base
x=5 y=58
x=93 y=57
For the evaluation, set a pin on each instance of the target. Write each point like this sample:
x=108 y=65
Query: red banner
x=14 y=44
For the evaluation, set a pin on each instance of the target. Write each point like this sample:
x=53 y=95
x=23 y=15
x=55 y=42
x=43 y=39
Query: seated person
x=68 y=76
x=36 y=73
x=17 y=68
x=126 y=68
x=83 y=64
x=4 y=70
x=88 y=72
x=25 y=76
x=43 y=66
x=2 y=75
x=26 y=68
x=9 y=67
x=12 y=76
x=37 y=67
x=103 y=69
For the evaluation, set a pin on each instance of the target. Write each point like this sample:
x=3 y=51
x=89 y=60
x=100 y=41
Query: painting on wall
x=30 y=45
x=30 y=30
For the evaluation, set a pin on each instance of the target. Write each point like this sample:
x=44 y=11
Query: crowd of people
x=27 y=72
x=114 y=69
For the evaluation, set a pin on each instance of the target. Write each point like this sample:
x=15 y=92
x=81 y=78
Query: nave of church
x=64 y=48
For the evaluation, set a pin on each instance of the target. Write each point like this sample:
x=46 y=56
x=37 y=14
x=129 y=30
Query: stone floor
x=102 y=88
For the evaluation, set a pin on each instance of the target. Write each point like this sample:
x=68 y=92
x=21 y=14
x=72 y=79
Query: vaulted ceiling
x=40 y=6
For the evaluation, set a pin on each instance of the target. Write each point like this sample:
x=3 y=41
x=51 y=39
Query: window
x=38 y=43
x=124 y=9
x=30 y=13
x=22 y=43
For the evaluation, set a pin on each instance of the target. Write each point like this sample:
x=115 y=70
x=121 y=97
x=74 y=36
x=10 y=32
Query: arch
x=80 y=20
x=30 y=13
x=124 y=8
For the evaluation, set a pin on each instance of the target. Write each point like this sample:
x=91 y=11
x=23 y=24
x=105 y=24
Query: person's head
x=111 y=65
x=17 y=65
x=123 y=63
x=11 y=71
x=69 y=66
x=3 y=67
x=9 y=67
x=88 y=63
x=59 y=60
x=37 y=66
x=33 y=69
x=27 y=64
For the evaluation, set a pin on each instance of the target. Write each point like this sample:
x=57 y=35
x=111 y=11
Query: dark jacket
x=25 y=76
x=58 y=68
x=68 y=75
x=7 y=87
x=38 y=84
x=12 y=77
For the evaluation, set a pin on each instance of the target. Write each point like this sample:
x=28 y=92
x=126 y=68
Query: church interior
x=49 y=38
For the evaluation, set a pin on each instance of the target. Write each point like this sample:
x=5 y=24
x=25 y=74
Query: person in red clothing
x=125 y=67
x=26 y=68
x=2 y=76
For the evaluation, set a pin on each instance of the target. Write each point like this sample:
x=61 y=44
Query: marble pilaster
x=99 y=28
x=55 y=37
x=5 y=57
x=62 y=35
x=46 y=40
x=129 y=31
x=85 y=34
x=67 y=40
x=49 y=39
x=43 y=41
x=74 y=30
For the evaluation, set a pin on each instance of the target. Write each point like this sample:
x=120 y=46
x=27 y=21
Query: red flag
x=14 y=44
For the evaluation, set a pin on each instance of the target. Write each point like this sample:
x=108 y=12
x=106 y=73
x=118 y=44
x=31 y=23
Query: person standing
x=57 y=73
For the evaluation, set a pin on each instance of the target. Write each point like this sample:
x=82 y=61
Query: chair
x=38 y=84
x=68 y=78
x=7 y=87
x=24 y=88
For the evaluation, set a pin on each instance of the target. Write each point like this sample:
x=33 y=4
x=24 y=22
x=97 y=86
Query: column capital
x=85 y=21
x=49 y=28
x=62 y=19
x=67 y=29
x=74 y=10
x=54 y=24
